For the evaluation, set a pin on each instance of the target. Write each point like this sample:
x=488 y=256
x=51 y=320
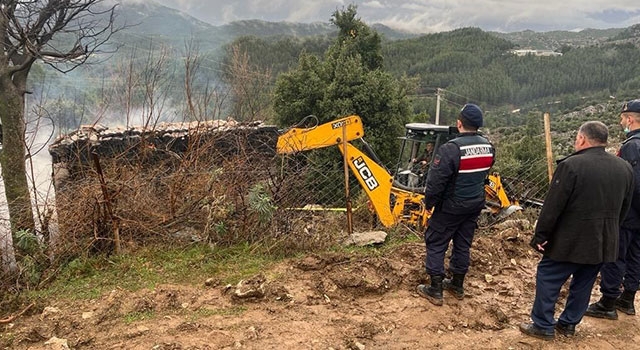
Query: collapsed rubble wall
x=72 y=153
x=154 y=182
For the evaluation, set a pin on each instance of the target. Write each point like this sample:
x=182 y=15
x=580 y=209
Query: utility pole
x=438 y=91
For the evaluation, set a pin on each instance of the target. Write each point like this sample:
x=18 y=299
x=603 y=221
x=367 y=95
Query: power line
x=452 y=102
x=456 y=94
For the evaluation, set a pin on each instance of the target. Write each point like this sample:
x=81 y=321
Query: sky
x=427 y=16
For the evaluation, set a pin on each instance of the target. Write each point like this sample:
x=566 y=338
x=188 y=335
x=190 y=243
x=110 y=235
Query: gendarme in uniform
x=625 y=270
x=455 y=189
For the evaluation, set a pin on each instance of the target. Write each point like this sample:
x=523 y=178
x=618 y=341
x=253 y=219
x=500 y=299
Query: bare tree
x=61 y=33
x=205 y=99
x=251 y=88
x=142 y=96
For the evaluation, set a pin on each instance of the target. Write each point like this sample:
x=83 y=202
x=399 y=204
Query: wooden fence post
x=547 y=134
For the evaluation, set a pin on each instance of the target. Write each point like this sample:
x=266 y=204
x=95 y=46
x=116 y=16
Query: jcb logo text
x=366 y=174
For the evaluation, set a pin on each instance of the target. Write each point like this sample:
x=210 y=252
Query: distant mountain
x=163 y=25
x=150 y=20
x=389 y=33
x=264 y=29
x=147 y=22
x=556 y=39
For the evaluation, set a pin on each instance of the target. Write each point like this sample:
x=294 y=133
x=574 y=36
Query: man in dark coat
x=626 y=270
x=577 y=229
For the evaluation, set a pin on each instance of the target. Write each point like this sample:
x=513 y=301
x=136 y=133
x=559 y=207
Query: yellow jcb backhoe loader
x=395 y=198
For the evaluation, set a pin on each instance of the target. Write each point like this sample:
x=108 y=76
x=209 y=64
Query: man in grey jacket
x=577 y=229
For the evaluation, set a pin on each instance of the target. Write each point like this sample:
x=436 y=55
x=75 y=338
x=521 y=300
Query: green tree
x=350 y=80
x=355 y=38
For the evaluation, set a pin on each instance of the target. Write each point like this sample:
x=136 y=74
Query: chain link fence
x=216 y=188
x=525 y=181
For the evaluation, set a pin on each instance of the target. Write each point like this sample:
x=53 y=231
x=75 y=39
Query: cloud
x=311 y=11
x=228 y=14
x=544 y=15
x=427 y=15
x=616 y=16
x=373 y=4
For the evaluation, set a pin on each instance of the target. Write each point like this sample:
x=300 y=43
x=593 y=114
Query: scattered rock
x=279 y=293
x=251 y=289
x=212 y=282
x=362 y=239
x=354 y=345
x=520 y=224
x=188 y=235
x=488 y=278
x=167 y=346
x=139 y=331
x=311 y=263
x=57 y=343
x=498 y=314
x=48 y=311
x=252 y=333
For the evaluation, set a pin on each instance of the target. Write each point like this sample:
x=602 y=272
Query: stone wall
x=72 y=153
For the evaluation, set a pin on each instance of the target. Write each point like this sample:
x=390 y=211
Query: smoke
x=38 y=135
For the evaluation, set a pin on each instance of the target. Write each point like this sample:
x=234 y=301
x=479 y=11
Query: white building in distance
x=525 y=52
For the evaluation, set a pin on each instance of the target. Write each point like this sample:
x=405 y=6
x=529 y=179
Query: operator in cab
x=425 y=158
x=455 y=191
x=420 y=165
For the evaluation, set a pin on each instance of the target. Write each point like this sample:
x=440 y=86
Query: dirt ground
x=326 y=301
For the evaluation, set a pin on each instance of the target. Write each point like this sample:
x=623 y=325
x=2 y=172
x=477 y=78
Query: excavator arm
x=325 y=135
x=373 y=178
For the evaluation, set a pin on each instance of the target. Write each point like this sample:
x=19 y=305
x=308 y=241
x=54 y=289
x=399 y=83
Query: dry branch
x=12 y=318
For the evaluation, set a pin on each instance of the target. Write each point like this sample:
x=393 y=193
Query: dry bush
x=218 y=191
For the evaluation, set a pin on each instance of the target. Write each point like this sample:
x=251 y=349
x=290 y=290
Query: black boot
x=454 y=285
x=603 y=308
x=624 y=302
x=433 y=293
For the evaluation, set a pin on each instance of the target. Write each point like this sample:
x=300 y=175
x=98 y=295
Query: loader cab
x=419 y=144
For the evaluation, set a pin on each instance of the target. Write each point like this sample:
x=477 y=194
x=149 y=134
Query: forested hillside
x=476 y=64
x=556 y=40
x=479 y=66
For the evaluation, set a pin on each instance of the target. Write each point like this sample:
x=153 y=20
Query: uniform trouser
x=624 y=271
x=550 y=277
x=442 y=229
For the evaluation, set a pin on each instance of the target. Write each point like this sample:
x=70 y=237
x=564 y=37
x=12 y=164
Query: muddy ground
x=325 y=301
